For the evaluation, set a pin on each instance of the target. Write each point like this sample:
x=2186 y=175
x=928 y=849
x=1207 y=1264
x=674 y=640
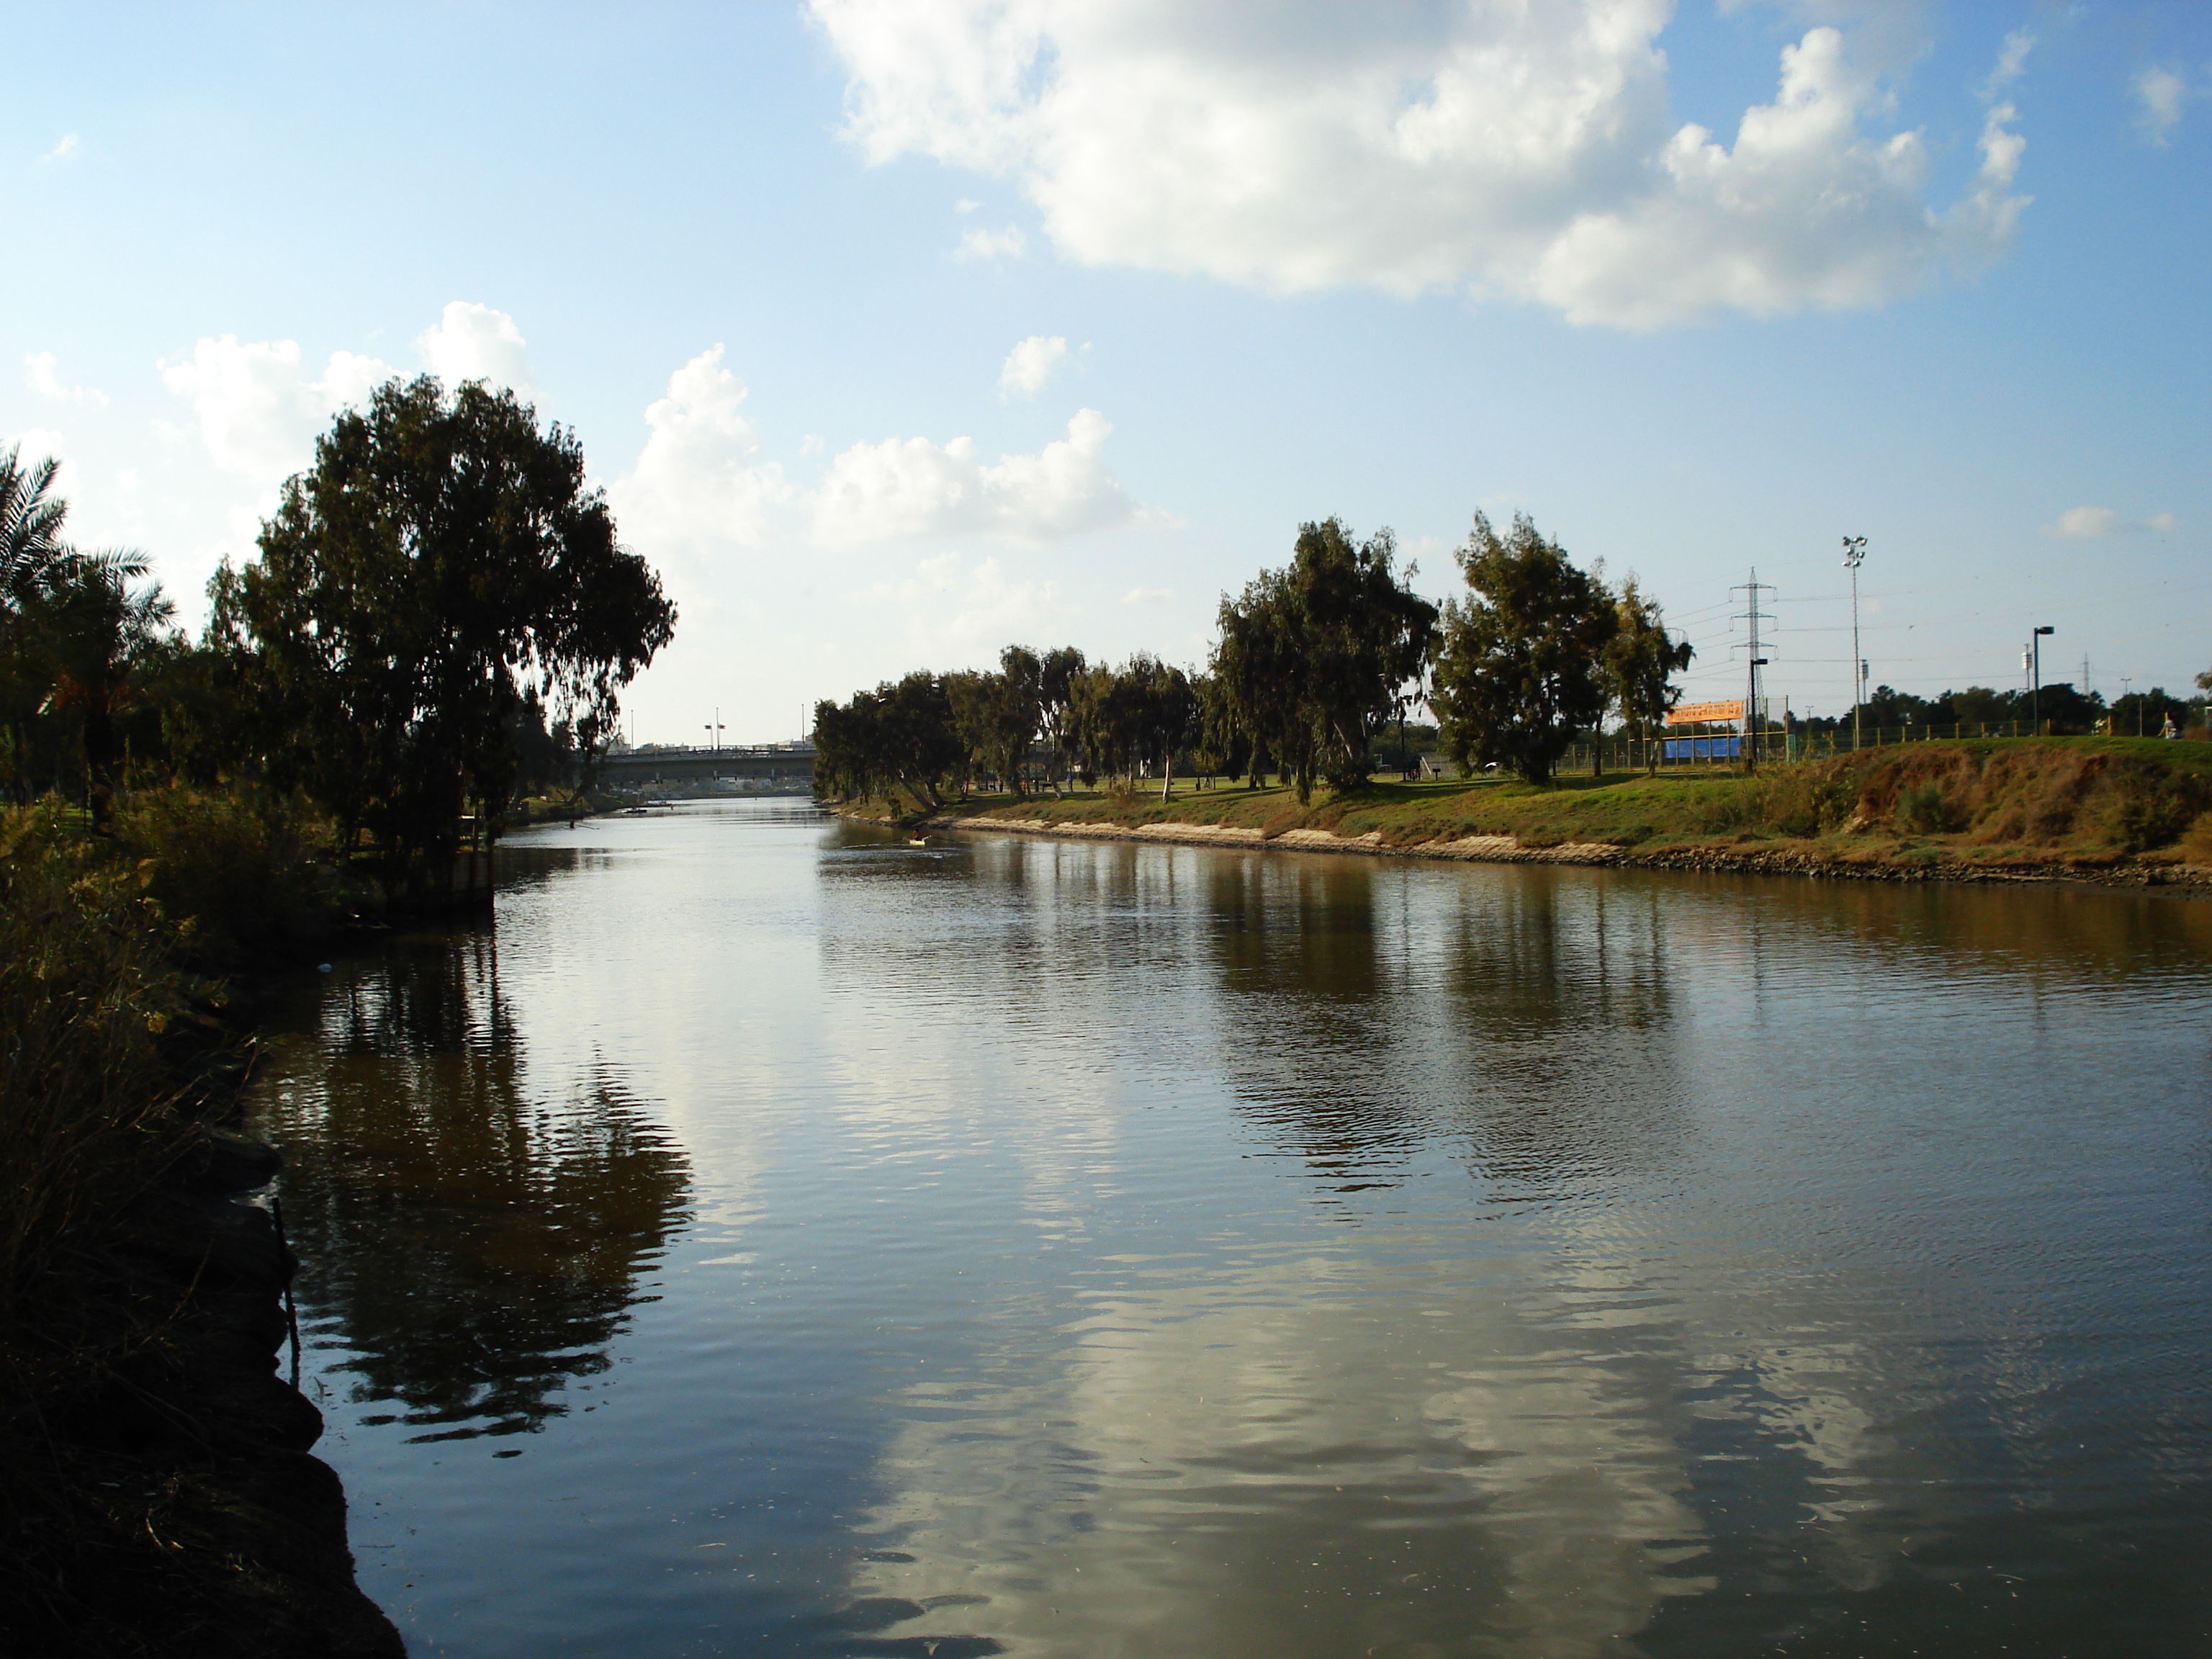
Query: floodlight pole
x=2035 y=681
x=1854 y=555
x=1751 y=718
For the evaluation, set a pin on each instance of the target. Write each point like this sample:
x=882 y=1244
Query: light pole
x=1751 y=718
x=2127 y=680
x=2035 y=681
x=1854 y=556
x=714 y=730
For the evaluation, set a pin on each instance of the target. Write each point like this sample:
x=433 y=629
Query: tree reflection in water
x=1527 y=1021
x=474 y=1240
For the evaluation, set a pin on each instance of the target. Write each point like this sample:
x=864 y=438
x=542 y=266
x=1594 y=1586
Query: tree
x=1105 y=721
x=31 y=552
x=997 y=714
x=1521 y=669
x=1220 y=745
x=97 y=634
x=1641 y=661
x=442 y=554
x=903 y=735
x=1057 y=671
x=32 y=556
x=1166 y=709
x=71 y=632
x=1315 y=656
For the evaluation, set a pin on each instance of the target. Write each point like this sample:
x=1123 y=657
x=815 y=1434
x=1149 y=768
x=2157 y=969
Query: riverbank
x=160 y=1499
x=2118 y=812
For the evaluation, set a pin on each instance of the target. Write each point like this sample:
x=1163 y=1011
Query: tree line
x=440 y=615
x=2059 y=705
x=1310 y=665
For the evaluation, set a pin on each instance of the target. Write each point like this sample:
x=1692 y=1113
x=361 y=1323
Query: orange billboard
x=1699 y=714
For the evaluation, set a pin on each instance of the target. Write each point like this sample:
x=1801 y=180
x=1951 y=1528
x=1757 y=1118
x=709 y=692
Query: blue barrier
x=1676 y=749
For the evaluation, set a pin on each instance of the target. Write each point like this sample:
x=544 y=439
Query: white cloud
x=2091 y=523
x=473 y=341
x=2160 y=94
x=980 y=243
x=2012 y=63
x=902 y=487
x=1031 y=364
x=1148 y=596
x=1490 y=148
x=2083 y=522
x=65 y=150
x=695 y=484
x=257 y=411
x=956 y=617
x=41 y=373
x=39 y=443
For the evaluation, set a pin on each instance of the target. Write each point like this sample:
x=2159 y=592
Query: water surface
x=770 y=1239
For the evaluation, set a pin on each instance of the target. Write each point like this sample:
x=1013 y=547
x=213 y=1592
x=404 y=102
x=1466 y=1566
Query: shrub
x=2196 y=844
x=242 y=865
x=2149 y=810
x=86 y=995
x=1810 y=799
x=1922 y=810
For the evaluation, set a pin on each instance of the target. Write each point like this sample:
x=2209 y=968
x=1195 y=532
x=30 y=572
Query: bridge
x=765 y=762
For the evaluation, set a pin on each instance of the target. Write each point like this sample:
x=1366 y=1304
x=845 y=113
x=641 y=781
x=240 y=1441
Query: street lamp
x=2035 y=683
x=715 y=729
x=2127 y=680
x=1855 y=556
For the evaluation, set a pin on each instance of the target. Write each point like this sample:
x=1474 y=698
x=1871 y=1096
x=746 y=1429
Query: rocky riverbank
x=191 y=1520
x=2118 y=871
x=2113 y=812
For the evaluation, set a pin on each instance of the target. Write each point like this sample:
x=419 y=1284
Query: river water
x=768 y=1238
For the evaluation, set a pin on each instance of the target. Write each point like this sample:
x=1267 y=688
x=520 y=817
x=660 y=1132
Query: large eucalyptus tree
x=1521 y=669
x=442 y=554
x=1313 y=658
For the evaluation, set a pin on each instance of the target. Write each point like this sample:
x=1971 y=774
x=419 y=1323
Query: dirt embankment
x=2116 y=812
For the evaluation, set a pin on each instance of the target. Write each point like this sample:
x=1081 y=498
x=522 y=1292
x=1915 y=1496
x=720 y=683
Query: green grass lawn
x=1996 y=802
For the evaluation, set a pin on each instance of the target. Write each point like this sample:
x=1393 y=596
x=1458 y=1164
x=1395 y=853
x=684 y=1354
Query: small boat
x=915 y=841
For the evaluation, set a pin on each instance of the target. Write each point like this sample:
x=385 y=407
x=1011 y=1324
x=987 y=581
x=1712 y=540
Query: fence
x=1775 y=746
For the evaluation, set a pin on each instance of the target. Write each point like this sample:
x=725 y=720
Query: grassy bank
x=2111 y=808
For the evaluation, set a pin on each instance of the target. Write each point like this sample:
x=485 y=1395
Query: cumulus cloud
x=42 y=374
x=980 y=243
x=471 y=342
x=2159 y=94
x=65 y=148
x=696 y=484
x=1031 y=364
x=1148 y=596
x=2091 y=523
x=904 y=487
x=257 y=411
x=1490 y=148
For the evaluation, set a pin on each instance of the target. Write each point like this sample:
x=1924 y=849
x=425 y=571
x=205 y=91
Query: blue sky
x=1944 y=285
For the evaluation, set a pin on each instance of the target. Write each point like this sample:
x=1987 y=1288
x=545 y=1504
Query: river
x=770 y=1239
